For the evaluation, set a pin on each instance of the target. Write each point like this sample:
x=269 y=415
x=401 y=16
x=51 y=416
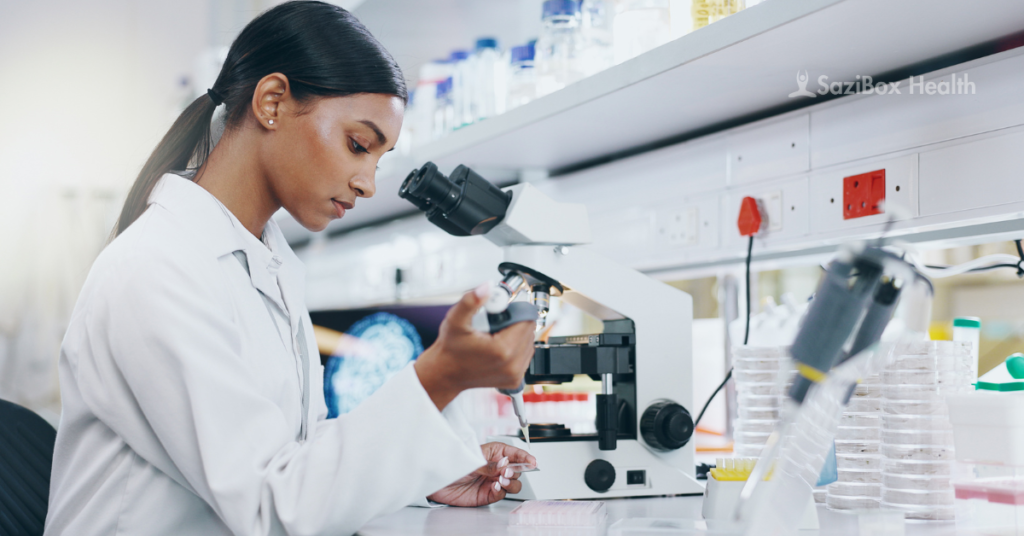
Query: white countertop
x=493 y=519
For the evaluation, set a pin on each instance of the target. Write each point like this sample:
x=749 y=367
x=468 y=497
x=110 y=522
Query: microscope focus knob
x=599 y=476
x=666 y=426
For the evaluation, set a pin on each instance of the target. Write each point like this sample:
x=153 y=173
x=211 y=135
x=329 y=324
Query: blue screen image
x=380 y=345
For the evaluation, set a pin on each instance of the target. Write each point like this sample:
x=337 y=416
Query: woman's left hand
x=489 y=483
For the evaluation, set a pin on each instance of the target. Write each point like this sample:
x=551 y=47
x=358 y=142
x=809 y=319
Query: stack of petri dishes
x=858 y=451
x=917 y=437
x=761 y=375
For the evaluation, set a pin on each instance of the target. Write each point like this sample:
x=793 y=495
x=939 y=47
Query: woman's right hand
x=463 y=358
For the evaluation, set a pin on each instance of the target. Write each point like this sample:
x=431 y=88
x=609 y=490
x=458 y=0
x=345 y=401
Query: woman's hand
x=489 y=483
x=464 y=358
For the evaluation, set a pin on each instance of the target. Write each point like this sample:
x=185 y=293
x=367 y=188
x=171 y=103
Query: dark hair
x=322 y=49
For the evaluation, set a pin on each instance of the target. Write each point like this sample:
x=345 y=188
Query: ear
x=271 y=92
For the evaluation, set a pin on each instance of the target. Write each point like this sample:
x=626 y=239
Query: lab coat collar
x=222 y=234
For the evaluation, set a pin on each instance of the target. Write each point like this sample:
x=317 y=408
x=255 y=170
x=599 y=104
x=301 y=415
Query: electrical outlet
x=864 y=194
x=680 y=227
x=772 y=203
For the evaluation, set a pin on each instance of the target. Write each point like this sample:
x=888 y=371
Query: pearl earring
x=271 y=121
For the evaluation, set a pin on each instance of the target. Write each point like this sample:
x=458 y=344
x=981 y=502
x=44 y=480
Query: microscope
x=642 y=357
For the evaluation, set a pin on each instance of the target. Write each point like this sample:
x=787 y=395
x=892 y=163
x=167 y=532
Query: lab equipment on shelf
x=461 y=89
x=704 y=12
x=522 y=77
x=487 y=88
x=423 y=101
x=557 y=56
x=578 y=38
x=444 y=109
x=598 y=54
x=640 y=25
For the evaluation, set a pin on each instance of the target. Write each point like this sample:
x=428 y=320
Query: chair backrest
x=26 y=453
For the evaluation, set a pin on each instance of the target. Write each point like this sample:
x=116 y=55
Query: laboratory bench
x=493 y=519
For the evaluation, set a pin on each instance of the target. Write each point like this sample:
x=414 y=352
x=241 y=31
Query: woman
x=190 y=383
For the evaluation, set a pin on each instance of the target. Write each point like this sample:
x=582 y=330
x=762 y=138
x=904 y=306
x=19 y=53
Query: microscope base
x=562 y=466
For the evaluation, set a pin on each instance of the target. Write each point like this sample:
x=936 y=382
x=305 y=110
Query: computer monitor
x=378 y=343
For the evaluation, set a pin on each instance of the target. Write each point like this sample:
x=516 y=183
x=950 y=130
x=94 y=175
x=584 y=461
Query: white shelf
x=740 y=67
x=743 y=65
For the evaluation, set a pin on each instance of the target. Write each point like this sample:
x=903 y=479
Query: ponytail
x=322 y=49
x=185 y=146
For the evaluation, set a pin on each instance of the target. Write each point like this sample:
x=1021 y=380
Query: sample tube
x=968 y=329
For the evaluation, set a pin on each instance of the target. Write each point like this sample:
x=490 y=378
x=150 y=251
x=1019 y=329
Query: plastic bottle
x=598 y=53
x=444 y=109
x=522 y=77
x=968 y=329
x=704 y=12
x=488 y=86
x=461 y=88
x=558 y=49
x=424 y=100
x=724 y=8
x=640 y=25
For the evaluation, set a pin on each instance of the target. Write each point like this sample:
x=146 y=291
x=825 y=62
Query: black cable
x=1020 y=253
x=712 y=397
x=746 y=337
x=979 y=269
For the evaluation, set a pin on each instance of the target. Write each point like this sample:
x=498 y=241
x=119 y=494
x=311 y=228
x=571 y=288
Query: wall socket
x=680 y=227
x=772 y=203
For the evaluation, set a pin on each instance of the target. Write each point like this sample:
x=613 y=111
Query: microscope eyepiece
x=462 y=205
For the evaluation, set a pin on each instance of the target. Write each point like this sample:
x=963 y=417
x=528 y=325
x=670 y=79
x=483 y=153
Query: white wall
x=90 y=89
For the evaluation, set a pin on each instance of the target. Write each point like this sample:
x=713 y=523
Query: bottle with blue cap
x=596 y=23
x=559 y=47
x=462 y=88
x=488 y=97
x=444 y=109
x=522 y=80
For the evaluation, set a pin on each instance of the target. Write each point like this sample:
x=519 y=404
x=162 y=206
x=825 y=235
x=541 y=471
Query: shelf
x=741 y=66
x=736 y=70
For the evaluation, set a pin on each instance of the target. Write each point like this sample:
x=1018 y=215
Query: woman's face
x=323 y=155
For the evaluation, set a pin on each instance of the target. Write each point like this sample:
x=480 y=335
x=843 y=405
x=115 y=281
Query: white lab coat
x=182 y=404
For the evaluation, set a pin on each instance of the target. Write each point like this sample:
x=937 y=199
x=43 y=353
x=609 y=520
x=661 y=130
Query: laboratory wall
x=91 y=88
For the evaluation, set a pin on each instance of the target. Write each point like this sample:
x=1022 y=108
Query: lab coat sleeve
x=457 y=419
x=166 y=337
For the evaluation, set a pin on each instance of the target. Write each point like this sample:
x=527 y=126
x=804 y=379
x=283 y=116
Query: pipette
x=519 y=408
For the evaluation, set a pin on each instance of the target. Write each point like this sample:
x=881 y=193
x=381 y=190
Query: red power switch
x=863 y=194
x=749 y=221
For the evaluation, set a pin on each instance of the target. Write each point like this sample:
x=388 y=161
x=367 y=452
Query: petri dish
x=916 y=482
x=856 y=489
x=858 y=433
x=917 y=452
x=917 y=467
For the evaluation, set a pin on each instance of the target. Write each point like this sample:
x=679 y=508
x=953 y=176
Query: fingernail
x=503 y=462
x=497 y=486
x=504 y=481
x=483 y=291
x=508 y=473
